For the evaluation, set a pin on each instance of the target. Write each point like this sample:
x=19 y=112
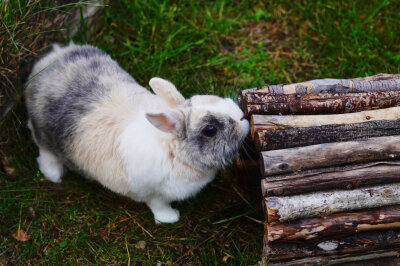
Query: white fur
x=166 y=90
x=153 y=171
x=50 y=166
x=153 y=177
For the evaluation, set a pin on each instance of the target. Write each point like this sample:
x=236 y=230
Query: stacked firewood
x=330 y=159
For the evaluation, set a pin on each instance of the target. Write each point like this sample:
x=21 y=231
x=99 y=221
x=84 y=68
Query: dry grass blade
x=194 y=248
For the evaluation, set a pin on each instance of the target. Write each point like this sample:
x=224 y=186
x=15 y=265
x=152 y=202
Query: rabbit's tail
x=58 y=49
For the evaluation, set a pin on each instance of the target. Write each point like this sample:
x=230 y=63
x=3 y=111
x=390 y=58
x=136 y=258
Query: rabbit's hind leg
x=51 y=167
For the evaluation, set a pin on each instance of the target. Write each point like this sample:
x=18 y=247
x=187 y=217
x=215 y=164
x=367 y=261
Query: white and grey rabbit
x=89 y=115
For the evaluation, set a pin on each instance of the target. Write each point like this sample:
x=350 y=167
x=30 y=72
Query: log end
x=273 y=216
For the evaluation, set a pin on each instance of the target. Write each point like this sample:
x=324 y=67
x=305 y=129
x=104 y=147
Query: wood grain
x=277 y=122
x=321 y=204
x=321 y=103
x=338 y=224
x=363 y=242
x=305 y=136
x=380 y=82
x=381 y=257
x=329 y=154
x=338 y=177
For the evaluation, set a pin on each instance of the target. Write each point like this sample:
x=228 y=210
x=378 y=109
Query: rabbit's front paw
x=167 y=215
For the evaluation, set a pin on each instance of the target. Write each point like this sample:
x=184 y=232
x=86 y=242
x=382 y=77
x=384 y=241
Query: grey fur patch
x=37 y=132
x=95 y=65
x=216 y=151
x=67 y=90
x=63 y=113
x=83 y=52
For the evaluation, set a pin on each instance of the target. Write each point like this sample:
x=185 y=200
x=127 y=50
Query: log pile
x=330 y=161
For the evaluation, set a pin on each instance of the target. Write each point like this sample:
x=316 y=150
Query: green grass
x=204 y=47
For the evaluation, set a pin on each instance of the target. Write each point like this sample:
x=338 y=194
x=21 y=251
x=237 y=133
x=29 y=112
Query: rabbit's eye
x=209 y=131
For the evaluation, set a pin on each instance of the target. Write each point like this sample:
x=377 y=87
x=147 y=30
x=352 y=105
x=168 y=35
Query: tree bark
x=381 y=258
x=276 y=122
x=321 y=103
x=356 y=243
x=346 y=223
x=296 y=137
x=380 y=82
x=288 y=208
x=339 y=177
x=329 y=154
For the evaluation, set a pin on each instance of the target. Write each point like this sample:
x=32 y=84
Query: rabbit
x=88 y=115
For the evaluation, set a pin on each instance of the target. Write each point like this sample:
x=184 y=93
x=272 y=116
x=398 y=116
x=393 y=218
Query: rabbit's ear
x=171 y=122
x=167 y=91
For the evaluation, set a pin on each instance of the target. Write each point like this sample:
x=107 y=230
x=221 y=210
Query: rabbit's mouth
x=226 y=155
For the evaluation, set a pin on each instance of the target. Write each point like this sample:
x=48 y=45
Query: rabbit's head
x=210 y=129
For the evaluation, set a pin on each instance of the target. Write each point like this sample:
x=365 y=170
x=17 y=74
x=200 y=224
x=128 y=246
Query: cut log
x=287 y=208
x=380 y=82
x=242 y=95
x=339 y=177
x=381 y=258
x=321 y=103
x=387 y=258
x=329 y=154
x=275 y=122
x=356 y=243
x=305 y=136
x=335 y=225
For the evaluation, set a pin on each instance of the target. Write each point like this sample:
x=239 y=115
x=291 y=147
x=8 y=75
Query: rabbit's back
x=78 y=101
x=66 y=85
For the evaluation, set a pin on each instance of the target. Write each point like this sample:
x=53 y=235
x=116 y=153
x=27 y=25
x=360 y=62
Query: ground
x=204 y=47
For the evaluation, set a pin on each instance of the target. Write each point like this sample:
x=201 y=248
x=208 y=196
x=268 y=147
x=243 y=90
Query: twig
x=242 y=197
x=138 y=224
x=127 y=251
x=231 y=218
x=254 y=220
x=195 y=247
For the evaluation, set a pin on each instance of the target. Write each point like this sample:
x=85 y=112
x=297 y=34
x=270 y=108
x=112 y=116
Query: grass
x=204 y=47
x=25 y=33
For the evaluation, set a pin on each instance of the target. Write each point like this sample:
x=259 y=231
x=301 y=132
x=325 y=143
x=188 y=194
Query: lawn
x=204 y=47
